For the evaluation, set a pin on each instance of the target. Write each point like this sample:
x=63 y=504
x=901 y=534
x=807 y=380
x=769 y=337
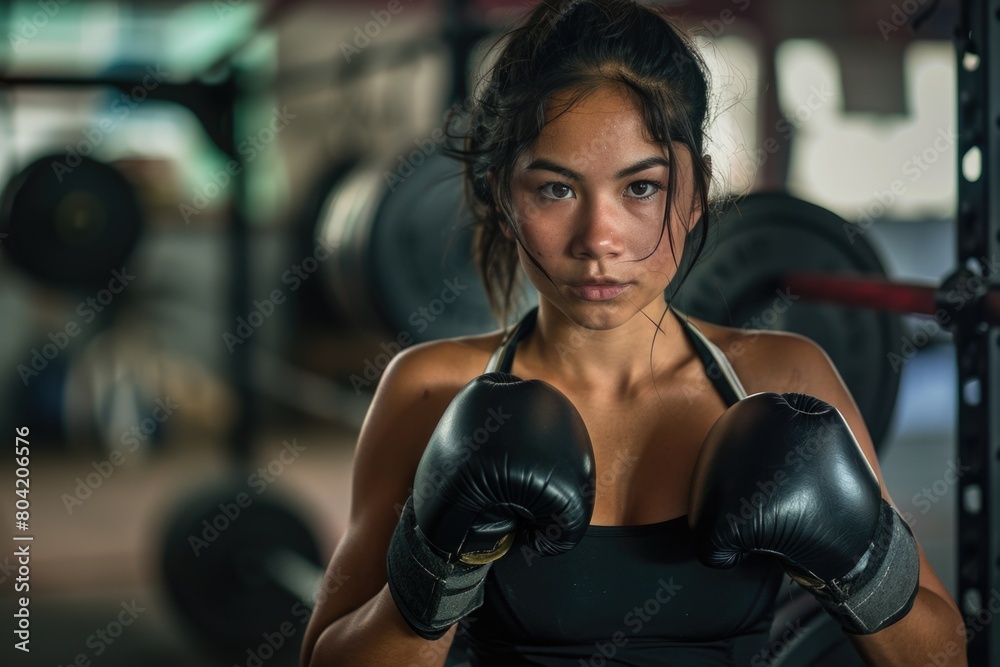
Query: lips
x=599 y=290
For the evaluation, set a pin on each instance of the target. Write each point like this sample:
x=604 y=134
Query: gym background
x=220 y=221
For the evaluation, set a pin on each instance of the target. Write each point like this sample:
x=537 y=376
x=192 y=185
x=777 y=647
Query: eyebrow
x=642 y=165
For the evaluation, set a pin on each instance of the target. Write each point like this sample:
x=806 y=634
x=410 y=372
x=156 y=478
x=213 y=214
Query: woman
x=586 y=168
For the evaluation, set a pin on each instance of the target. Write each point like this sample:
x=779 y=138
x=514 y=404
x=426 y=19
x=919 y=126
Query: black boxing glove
x=783 y=475
x=508 y=458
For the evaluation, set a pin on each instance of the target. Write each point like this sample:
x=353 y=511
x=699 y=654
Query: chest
x=645 y=452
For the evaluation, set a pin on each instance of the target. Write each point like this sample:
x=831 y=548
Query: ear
x=708 y=185
x=695 y=215
x=504 y=225
x=506 y=230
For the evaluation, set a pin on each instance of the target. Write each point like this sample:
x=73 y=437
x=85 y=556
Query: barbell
x=238 y=565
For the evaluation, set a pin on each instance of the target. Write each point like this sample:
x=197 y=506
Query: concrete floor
x=88 y=564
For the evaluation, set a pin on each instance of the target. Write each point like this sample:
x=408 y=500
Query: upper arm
x=807 y=369
x=412 y=395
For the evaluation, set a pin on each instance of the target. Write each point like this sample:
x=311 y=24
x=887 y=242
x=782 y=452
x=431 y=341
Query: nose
x=597 y=232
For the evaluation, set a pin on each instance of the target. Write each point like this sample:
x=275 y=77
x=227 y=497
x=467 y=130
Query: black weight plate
x=69 y=226
x=421 y=251
x=735 y=283
x=221 y=590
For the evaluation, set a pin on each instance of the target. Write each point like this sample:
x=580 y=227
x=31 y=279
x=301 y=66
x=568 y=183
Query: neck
x=617 y=358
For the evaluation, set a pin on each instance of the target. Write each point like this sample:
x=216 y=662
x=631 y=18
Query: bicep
x=402 y=416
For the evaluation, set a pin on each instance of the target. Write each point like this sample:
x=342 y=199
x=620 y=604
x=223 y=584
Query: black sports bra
x=625 y=595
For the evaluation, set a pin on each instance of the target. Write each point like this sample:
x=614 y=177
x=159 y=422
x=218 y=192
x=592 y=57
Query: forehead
x=596 y=128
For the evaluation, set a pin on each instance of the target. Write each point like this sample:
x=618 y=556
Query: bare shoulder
x=441 y=363
x=412 y=394
x=778 y=361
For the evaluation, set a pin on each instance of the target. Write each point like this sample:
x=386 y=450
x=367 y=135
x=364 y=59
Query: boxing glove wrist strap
x=881 y=590
x=430 y=593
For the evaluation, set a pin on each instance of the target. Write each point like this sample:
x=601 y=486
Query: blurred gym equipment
x=400 y=245
x=70 y=223
x=238 y=564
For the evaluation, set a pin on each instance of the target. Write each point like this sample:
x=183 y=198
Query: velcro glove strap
x=881 y=589
x=431 y=593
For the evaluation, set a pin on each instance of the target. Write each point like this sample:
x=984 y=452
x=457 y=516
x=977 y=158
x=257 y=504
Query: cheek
x=536 y=224
x=667 y=257
x=531 y=208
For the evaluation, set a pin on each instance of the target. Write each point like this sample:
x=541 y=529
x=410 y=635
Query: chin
x=604 y=315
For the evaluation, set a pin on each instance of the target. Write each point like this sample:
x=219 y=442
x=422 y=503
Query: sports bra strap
x=718 y=368
x=503 y=358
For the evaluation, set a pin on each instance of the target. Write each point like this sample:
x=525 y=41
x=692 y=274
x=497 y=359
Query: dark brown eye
x=556 y=190
x=642 y=189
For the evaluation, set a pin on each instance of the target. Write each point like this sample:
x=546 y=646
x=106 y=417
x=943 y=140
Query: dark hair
x=579 y=46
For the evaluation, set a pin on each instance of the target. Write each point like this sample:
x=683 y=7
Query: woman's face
x=590 y=196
